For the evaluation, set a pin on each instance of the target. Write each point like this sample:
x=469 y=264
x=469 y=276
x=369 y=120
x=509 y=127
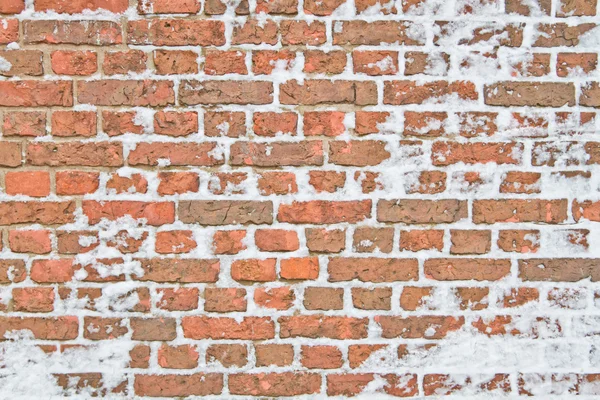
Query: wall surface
x=318 y=198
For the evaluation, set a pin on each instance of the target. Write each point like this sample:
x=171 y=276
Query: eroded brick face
x=280 y=198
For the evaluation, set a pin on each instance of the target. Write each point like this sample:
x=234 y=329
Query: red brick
x=375 y=62
x=323 y=298
x=176 y=32
x=419 y=327
x=113 y=92
x=22 y=62
x=470 y=241
x=12 y=271
x=43 y=328
x=225 y=212
x=250 y=328
x=76 y=182
x=66 y=62
x=375 y=299
x=24 y=123
x=171 y=62
x=29 y=183
x=229 y=242
x=77 y=6
x=123 y=62
x=47 y=212
x=278 y=183
x=36 y=93
x=177 y=357
x=324 y=212
x=176 y=154
x=153 y=328
x=320 y=62
x=228 y=355
x=421 y=211
x=275 y=384
x=88 y=154
x=224 y=299
x=225 y=92
x=32 y=299
x=321 y=91
x=276 y=240
x=559 y=269
x=173 y=123
x=529 y=94
x=177 y=183
x=30 y=241
x=98 y=33
x=198 y=384
x=374 y=33
x=277 y=154
x=519 y=210
x=70 y=123
x=12 y=6
x=271 y=124
x=273 y=354
x=279 y=298
x=253 y=270
x=218 y=62
x=480 y=269
x=253 y=31
x=181 y=299
x=154 y=213
x=9 y=31
x=98 y=328
x=353 y=384
x=410 y=92
x=321 y=357
x=332 y=327
x=229 y=124
x=417 y=240
x=52 y=271
x=302 y=32
x=372 y=269
x=179 y=270
x=300 y=268
x=174 y=242
x=168 y=7
x=264 y=62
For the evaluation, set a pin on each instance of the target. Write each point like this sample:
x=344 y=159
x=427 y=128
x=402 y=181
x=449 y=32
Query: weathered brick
x=112 y=92
x=465 y=269
x=179 y=270
x=198 y=384
x=324 y=212
x=36 y=93
x=225 y=92
x=249 y=328
x=176 y=32
x=22 y=62
x=517 y=210
x=411 y=92
x=208 y=212
x=534 y=94
x=46 y=212
x=372 y=269
x=421 y=211
x=89 y=154
x=276 y=154
x=98 y=33
x=375 y=33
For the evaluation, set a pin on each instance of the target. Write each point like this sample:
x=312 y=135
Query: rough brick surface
x=281 y=198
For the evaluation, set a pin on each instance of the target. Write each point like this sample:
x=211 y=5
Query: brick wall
x=279 y=198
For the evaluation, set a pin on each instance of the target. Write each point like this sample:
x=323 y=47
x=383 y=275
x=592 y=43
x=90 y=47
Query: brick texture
x=273 y=198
